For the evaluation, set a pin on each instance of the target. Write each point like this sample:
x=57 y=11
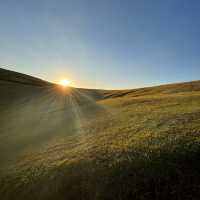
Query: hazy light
x=64 y=82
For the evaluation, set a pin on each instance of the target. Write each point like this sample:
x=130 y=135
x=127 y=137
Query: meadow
x=82 y=144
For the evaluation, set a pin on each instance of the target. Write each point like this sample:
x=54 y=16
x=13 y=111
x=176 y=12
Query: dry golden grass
x=85 y=144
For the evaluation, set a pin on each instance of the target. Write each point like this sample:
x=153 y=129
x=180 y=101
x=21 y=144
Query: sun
x=64 y=82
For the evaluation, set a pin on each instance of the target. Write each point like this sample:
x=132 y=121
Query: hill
x=16 y=77
x=87 y=144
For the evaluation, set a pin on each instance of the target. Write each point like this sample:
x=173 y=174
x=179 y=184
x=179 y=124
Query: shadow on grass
x=140 y=174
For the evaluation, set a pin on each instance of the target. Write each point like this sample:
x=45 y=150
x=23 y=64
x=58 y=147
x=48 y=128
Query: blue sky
x=102 y=43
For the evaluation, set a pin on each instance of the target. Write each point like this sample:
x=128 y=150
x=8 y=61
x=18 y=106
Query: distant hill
x=162 y=89
x=16 y=77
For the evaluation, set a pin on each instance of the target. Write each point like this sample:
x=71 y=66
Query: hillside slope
x=99 y=145
x=16 y=77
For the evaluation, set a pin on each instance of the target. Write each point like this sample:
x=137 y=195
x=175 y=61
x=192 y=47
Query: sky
x=108 y=44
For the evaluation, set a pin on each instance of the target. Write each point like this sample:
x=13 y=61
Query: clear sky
x=102 y=43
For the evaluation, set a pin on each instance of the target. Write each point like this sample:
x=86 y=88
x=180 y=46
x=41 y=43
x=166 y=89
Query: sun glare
x=64 y=82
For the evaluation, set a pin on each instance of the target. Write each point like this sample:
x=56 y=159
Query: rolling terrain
x=84 y=144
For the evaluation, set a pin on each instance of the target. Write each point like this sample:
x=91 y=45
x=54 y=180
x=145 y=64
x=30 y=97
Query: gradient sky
x=102 y=43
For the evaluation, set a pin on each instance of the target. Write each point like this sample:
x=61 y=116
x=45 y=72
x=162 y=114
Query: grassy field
x=80 y=144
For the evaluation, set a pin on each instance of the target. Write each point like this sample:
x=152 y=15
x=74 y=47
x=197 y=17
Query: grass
x=100 y=145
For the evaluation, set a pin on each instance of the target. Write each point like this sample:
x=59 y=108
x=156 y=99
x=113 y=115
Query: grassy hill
x=86 y=144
